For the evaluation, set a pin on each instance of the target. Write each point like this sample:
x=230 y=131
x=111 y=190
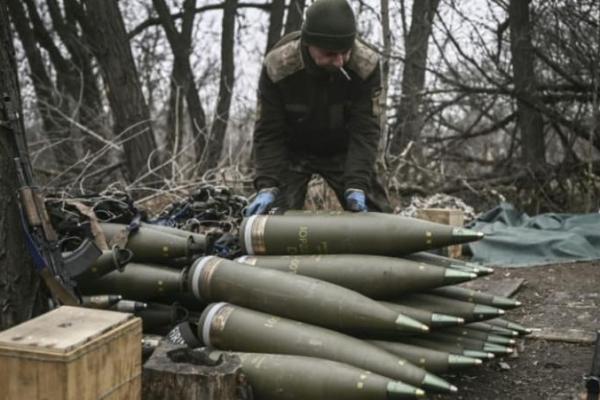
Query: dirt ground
x=560 y=296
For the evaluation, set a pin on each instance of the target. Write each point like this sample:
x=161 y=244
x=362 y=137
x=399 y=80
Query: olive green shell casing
x=153 y=245
x=506 y=324
x=278 y=376
x=377 y=277
x=346 y=233
x=489 y=328
x=129 y=306
x=109 y=261
x=100 y=300
x=425 y=316
x=461 y=265
x=468 y=311
x=229 y=327
x=477 y=334
x=157 y=315
x=447 y=346
x=442 y=261
x=292 y=296
x=200 y=240
x=473 y=296
x=431 y=360
x=470 y=343
x=140 y=282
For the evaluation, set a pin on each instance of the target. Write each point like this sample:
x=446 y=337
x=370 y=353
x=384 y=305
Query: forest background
x=489 y=100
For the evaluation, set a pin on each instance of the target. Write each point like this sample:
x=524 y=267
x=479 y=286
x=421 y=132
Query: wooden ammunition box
x=448 y=217
x=72 y=353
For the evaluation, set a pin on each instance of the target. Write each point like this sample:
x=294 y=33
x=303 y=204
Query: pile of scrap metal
x=324 y=295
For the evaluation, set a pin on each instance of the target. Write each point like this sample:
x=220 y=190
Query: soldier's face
x=328 y=59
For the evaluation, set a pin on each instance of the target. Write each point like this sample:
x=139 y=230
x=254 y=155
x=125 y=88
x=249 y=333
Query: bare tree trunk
x=66 y=85
x=78 y=91
x=385 y=72
x=275 y=23
x=409 y=124
x=86 y=93
x=183 y=83
x=18 y=282
x=409 y=120
x=174 y=135
x=47 y=102
x=220 y=122
x=293 y=20
x=531 y=125
x=103 y=26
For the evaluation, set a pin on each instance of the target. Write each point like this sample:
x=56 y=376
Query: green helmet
x=329 y=24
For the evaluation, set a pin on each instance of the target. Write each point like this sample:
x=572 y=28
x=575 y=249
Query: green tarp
x=515 y=239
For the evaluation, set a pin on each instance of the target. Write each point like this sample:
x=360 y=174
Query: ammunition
x=109 y=261
x=434 y=361
x=200 y=240
x=347 y=233
x=277 y=376
x=510 y=325
x=475 y=334
x=450 y=347
x=377 y=277
x=424 y=316
x=468 y=311
x=229 y=327
x=157 y=315
x=292 y=296
x=462 y=268
x=100 y=301
x=470 y=343
x=484 y=327
x=153 y=245
x=472 y=296
x=149 y=344
x=478 y=354
x=139 y=282
x=448 y=262
x=128 y=306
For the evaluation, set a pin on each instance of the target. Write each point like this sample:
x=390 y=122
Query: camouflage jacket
x=303 y=109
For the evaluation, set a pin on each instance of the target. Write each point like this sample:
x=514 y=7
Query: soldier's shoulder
x=285 y=58
x=363 y=60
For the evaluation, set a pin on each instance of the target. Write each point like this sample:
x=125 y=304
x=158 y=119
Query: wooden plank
x=497 y=287
x=564 y=335
x=447 y=216
x=63 y=329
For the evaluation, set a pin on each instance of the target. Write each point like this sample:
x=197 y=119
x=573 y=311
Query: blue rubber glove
x=261 y=203
x=356 y=200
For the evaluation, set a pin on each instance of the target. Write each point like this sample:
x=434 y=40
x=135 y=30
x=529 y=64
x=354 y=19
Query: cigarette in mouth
x=343 y=71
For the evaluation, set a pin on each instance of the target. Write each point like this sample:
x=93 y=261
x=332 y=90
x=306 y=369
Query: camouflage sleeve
x=365 y=130
x=269 y=138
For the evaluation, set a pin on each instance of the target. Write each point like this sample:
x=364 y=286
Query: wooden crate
x=445 y=216
x=72 y=353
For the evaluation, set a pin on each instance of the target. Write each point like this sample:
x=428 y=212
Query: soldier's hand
x=262 y=201
x=356 y=200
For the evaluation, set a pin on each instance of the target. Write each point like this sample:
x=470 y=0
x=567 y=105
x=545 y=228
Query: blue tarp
x=515 y=239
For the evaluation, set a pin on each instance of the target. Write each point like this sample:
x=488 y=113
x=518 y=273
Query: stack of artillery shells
x=324 y=296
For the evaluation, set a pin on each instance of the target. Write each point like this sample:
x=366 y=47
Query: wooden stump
x=178 y=372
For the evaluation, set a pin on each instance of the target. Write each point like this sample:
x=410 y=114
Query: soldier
x=319 y=110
